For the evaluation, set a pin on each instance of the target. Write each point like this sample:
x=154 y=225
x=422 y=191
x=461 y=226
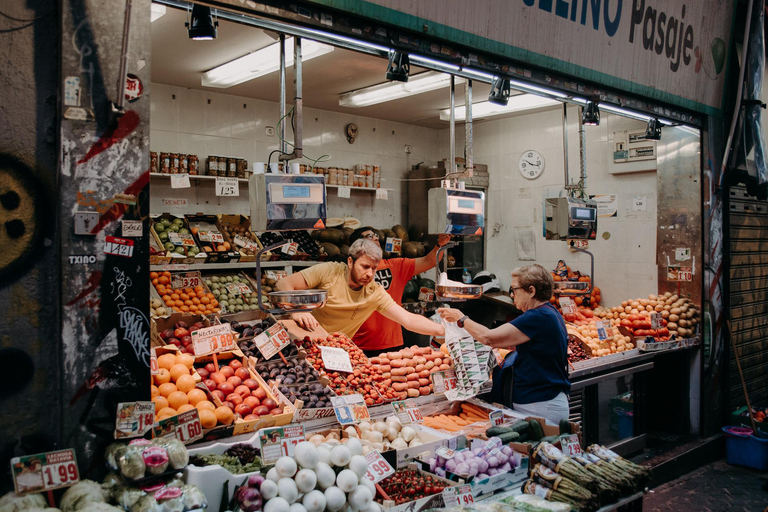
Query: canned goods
x=344 y=177
x=222 y=169
x=333 y=176
x=193 y=165
x=153 y=162
x=184 y=164
x=175 y=163
x=231 y=168
x=165 y=163
x=241 y=166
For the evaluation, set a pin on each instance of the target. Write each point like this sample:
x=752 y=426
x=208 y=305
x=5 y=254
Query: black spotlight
x=202 y=26
x=653 y=131
x=399 y=67
x=590 y=116
x=500 y=91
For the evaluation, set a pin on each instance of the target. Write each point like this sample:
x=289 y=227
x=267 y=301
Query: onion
x=391 y=433
x=365 y=425
x=408 y=434
x=380 y=426
x=255 y=481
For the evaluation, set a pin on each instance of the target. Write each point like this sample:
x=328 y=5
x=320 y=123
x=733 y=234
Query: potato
x=671 y=326
x=673 y=318
x=675 y=311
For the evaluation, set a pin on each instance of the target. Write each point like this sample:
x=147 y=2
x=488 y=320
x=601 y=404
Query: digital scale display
x=466 y=203
x=583 y=213
x=294 y=191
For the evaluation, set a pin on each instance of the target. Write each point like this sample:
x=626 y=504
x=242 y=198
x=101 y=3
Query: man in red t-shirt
x=379 y=334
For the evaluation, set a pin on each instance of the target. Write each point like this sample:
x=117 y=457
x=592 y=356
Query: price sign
x=133 y=228
x=179 y=239
x=443 y=381
x=350 y=409
x=290 y=249
x=676 y=273
x=238 y=288
x=393 y=245
x=656 y=321
x=180 y=180
x=458 y=496
x=602 y=334
x=185 y=427
x=382 y=193
x=272 y=341
x=378 y=468
x=578 y=244
x=407 y=412
x=336 y=359
x=279 y=442
x=497 y=418
x=246 y=243
x=567 y=305
x=445 y=452
x=569 y=444
x=227 y=186
x=210 y=236
x=214 y=339
x=134 y=419
x=118 y=246
x=188 y=280
x=44 y=471
x=154 y=367
x=343 y=192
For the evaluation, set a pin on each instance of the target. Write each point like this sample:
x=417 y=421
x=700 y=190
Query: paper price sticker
x=290 y=249
x=336 y=359
x=343 y=192
x=272 y=341
x=180 y=180
x=675 y=273
x=382 y=193
x=188 y=280
x=179 y=239
x=279 y=442
x=214 y=339
x=567 y=305
x=407 y=412
x=44 y=471
x=185 y=427
x=445 y=452
x=154 y=367
x=132 y=228
x=393 y=245
x=570 y=445
x=497 y=418
x=443 y=381
x=238 y=288
x=246 y=243
x=458 y=496
x=227 y=187
x=656 y=321
x=118 y=246
x=602 y=334
x=378 y=468
x=350 y=409
x=210 y=236
x=134 y=419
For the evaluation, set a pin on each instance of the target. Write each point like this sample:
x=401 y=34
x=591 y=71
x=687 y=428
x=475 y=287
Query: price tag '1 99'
x=378 y=468
x=44 y=471
x=458 y=496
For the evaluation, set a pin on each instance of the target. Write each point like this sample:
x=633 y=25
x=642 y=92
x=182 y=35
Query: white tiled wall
x=206 y=123
x=626 y=262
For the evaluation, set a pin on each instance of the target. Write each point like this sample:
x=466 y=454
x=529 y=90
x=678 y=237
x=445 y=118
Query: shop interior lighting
x=389 y=91
x=398 y=67
x=202 y=26
x=158 y=11
x=653 y=130
x=261 y=62
x=517 y=103
x=500 y=91
x=591 y=114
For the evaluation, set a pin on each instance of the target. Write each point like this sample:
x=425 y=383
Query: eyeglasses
x=371 y=236
x=512 y=289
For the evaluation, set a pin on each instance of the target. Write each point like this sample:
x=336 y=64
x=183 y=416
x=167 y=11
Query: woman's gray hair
x=363 y=246
x=537 y=276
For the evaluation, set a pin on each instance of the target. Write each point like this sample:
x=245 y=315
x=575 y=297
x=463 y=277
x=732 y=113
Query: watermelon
x=427 y=283
x=411 y=291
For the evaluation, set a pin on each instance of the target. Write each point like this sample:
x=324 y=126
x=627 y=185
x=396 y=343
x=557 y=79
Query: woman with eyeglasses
x=540 y=383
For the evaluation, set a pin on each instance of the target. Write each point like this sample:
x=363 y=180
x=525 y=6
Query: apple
x=235 y=381
x=226 y=388
x=251 y=401
x=217 y=393
x=243 y=391
x=186 y=340
x=228 y=371
x=203 y=373
x=197 y=325
x=230 y=405
x=168 y=333
x=261 y=411
x=269 y=403
x=252 y=384
x=243 y=409
x=235 y=364
x=211 y=384
x=242 y=373
x=251 y=417
x=234 y=398
x=260 y=394
x=218 y=377
x=182 y=325
x=173 y=341
x=180 y=332
x=276 y=412
x=210 y=367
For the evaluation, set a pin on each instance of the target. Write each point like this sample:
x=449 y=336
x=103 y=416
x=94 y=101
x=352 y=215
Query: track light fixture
x=590 y=116
x=202 y=26
x=653 y=131
x=500 y=91
x=399 y=67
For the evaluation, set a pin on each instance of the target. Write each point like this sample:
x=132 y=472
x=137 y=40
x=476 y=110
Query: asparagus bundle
x=554 y=459
x=640 y=473
x=531 y=487
x=607 y=472
x=548 y=478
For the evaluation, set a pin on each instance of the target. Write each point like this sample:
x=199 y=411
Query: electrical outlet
x=270 y=131
x=408 y=149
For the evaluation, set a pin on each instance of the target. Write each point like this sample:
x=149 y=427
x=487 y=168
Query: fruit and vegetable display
x=174 y=388
x=469 y=414
x=614 y=343
x=335 y=241
x=679 y=316
x=174 y=234
x=313 y=395
x=405 y=373
x=480 y=463
x=379 y=435
x=180 y=336
x=142 y=458
x=293 y=371
x=317 y=479
x=240 y=395
x=241 y=238
x=207 y=235
x=410 y=485
x=302 y=238
x=234 y=292
x=247 y=330
x=186 y=299
x=237 y=459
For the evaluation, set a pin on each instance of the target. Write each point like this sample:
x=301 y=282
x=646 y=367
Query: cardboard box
x=176 y=258
x=209 y=223
x=163 y=256
x=210 y=479
x=244 y=222
x=190 y=273
x=159 y=324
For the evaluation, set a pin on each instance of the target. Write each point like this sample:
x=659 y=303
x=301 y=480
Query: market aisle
x=716 y=487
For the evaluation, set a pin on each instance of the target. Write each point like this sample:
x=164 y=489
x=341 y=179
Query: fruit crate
x=179 y=281
x=192 y=253
x=237 y=231
x=272 y=237
x=229 y=286
x=158 y=254
x=210 y=238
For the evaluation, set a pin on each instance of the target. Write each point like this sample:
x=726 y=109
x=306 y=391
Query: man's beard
x=357 y=279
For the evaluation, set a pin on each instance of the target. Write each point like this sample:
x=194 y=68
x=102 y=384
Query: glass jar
x=184 y=164
x=153 y=162
x=165 y=163
x=193 y=165
x=175 y=163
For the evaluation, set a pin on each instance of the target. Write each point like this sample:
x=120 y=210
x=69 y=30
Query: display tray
x=659 y=346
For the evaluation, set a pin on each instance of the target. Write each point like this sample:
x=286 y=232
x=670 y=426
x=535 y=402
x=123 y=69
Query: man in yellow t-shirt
x=353 y=295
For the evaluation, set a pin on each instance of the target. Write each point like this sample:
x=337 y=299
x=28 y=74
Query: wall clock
x=531 y=164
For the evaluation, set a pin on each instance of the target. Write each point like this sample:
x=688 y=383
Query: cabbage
x=113 y=453
x=12 y=502
x=177 y=453
x=82 y=493
x=99 y=507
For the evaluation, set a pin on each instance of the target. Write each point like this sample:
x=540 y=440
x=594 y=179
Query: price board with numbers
x=238 y=288
x=443 y=381
x=602 y=333
x=279 y=442
x=407 y=412
x=180 y=180
x=336 y=359
x=44 y=471
x=567 y=305
x=210 y=236
x=212 y=340
x=458 y=496
x=570 y=444
x=179 y=239
x=350 y=409
x=272 y=341
x=378 y=468
x=496 y=418
x=246 y=243
x=185 y=280
x=227 y=187
x=677 y=273
x=118 y=246
x=185 y=427
x=134 y=419
x=154 y=367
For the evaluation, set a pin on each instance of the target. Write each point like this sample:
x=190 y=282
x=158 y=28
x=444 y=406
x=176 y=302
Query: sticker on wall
x=639 y=203
x=129 y=199
x=682 y=253
x=606 y=235
x=133 y=88
x=133 y=228
x=72 y=91
x=85 y=222
x=118 y=246
x=607 y=205
x=526 y=244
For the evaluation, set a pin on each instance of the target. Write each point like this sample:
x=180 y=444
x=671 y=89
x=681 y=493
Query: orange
x=153 y=275
x=163 y=376
x=207 y=418
x=195 y=301
x=187 y=290
x=196 y=397
x=167 y=273
x=164 y=279
x=193 y=308
x=166 y=389
x=186 y=383
x=184 y=296
x=154 y=391
x=160 y=402
x=185 y=408
x=204 y=300
x=166 y=298
x=205 y=405
x=177 y=370
x=187 y=360
x=167 y=361
x=200 y=294
x=167 y=412
x=224 y=415
x=177 y=399
x=155 y=281
x=184 y=309
x=175 y=296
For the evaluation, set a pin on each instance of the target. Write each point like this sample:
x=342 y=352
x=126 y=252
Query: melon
x=347 y=233
x=332 y=235
x=401 y=232
x=344 y=248
x=411 y=291
x=330 y=249
x=334 y=222
x=389 y=233
x=316 y=233
x=412 y=249
x=351 y=222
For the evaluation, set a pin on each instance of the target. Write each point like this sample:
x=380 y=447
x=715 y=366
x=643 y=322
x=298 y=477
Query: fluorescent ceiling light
x=623 y=112
x=158 y=11
x=486 y=108
x=416 y=84
x=533 y=88
x=261 y=62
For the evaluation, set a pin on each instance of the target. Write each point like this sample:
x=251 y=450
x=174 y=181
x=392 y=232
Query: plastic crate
x=744 y=449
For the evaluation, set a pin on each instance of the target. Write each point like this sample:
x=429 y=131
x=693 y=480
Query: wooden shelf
x=224 y=266
x=194 y=177
x=365 y=189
